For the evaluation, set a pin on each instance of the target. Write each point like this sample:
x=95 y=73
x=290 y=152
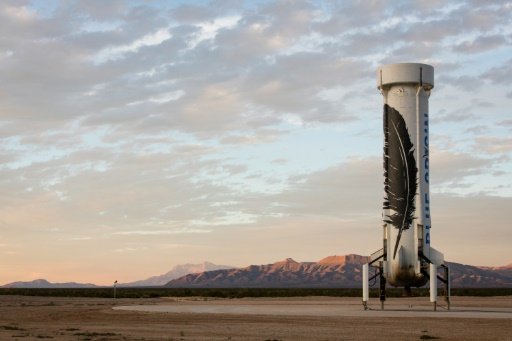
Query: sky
x=139 y=135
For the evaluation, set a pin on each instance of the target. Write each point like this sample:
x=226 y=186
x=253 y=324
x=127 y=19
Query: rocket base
x=378 y=260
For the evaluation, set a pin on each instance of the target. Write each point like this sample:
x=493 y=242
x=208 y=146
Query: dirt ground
x=36 y=318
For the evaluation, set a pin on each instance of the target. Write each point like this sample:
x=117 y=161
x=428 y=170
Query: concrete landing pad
x=324 y=307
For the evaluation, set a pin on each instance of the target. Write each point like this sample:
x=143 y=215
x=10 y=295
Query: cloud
x=462 y=82
x=337 y=191
x=159 y=232
x=450 y=169
x=481 y=44
x=208 y=30
x=142 y=122
x=499 y=74
x=116 y=52
x=478 y=129
x=494 y=144
x=507 y=123
x=95 y=10
x=463 y=219
x=21 y=13
x=152 y=49
x=349 y=196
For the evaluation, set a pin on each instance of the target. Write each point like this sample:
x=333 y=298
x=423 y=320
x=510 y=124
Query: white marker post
x=115 y=285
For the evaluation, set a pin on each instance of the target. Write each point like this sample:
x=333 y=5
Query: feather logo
x=400 y=172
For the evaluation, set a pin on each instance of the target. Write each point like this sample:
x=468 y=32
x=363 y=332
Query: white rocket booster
x=406 y=253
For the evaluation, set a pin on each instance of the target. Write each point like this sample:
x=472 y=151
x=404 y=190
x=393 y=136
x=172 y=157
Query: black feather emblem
x=400 y=172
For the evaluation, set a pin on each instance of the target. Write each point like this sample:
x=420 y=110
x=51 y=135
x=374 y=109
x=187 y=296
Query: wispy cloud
x=117 y=52
x=204 y=124
x=161 y=232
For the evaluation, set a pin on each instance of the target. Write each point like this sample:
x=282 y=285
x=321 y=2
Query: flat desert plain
x=310 y=318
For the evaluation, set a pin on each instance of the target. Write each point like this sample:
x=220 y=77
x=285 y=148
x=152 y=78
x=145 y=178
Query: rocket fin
x=436 y=257
x=376 y=255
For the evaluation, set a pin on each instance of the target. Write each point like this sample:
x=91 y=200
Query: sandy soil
x=36 y=318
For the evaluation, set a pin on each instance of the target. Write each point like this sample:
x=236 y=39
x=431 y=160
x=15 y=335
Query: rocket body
x=406 y=213
x=406 y=259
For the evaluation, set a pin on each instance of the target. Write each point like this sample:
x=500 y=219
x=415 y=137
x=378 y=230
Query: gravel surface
x=36 y=318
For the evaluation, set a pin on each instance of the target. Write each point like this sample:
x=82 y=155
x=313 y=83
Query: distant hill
x=333 y=271
x=330 y=272
x=176 y=272
x=468 y=276
x=43 y=283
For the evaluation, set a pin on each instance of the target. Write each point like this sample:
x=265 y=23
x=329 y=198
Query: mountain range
x=154 y=281
x=176 y=272
x=43 y=283
x=329 y=272
x=333 y=271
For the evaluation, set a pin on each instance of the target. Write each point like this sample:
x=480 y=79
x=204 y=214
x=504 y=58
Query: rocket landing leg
x=446 y=282
x=366 y=280
x=433 y=277
x=382 y=287
x=366 y=284
x=433 y=285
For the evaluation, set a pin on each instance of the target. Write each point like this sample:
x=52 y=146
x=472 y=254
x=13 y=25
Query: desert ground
x=311 y=318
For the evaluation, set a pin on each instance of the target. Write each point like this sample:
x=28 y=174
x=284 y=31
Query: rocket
x=406 y=258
